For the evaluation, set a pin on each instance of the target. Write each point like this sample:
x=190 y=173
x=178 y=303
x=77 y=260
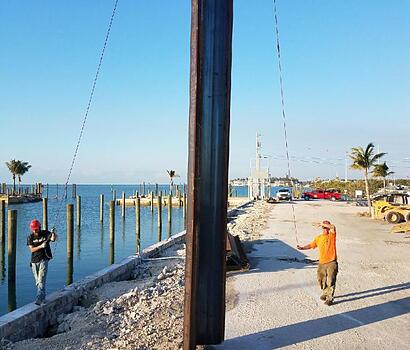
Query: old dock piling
x=11 y=245
x=70 y=243
x=114 y=195
x=159 y=206
x=2 y=238
x=152 y=202
x=11 y=258
x=78 y=211
x=184 y=206
x=112 y=232
x=45 y=213
x=73 y=190
x=123 y=205
x=2 y=221
x=138 y=223
x=101 y=208
x=169 y=208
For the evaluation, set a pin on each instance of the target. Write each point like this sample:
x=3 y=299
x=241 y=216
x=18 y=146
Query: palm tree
x=23 y=167
x=364 y=160
x=382 y=170
x=171 y=174
x=13 y=166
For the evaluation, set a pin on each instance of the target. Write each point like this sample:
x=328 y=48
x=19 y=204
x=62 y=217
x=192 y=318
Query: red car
x=322 y=194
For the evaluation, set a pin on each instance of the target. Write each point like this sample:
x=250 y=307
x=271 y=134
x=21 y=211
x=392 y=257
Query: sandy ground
x=278 y=302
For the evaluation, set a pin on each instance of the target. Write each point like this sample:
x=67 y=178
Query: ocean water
x=91 y=241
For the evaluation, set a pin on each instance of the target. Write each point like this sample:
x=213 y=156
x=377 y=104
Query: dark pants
x=326 y=276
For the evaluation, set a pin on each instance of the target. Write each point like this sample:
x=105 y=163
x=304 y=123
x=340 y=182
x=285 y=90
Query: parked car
x=284 y=194
x=331 y=194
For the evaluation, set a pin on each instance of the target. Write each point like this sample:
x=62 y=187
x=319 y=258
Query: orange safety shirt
x=327 y=247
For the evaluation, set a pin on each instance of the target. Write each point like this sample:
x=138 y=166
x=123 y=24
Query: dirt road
x=278 y=300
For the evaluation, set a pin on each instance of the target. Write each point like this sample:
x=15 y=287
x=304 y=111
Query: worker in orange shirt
x=327 y=268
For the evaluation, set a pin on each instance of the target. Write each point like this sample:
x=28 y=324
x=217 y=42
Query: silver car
x=284 y=194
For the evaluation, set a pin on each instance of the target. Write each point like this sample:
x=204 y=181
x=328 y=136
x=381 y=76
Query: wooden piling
x=123 y=205
x=11 y=297
x=114 y=195
x=47 y=190
x=2 y=222
x=159 y=218
x=78 y=211
x=152 y=202
x=112 y=232
x=11 y=247
x=2 y=238
x=169 y=208
x=184 y=205
x=101 y=208
x=138 y=223
x=2 y=260
x=74 y=190
x=45 y=214
x=156 y=189
x=70 y=243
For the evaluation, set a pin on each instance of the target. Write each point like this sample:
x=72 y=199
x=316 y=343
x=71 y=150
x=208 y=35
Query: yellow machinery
x=392 y=207
x=401 y=228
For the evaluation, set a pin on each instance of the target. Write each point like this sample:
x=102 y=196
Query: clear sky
x=346 y=74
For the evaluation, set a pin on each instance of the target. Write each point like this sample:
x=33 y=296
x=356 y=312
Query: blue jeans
x=40 y=275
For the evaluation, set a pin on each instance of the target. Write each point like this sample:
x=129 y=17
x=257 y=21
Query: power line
x=87 y=110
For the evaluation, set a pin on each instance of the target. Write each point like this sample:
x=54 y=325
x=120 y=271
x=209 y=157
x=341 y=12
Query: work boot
x=323 y=297
x=37 y=302
x=329 y=302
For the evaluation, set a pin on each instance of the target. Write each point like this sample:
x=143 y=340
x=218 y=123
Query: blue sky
x=346 y=75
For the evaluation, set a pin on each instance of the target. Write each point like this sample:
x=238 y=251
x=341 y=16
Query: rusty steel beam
x=209 y=116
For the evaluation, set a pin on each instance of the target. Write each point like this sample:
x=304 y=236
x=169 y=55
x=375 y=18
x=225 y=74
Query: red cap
x=35 y=225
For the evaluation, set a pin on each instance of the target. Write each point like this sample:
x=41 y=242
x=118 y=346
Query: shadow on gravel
x=270 y=255
x=312 y=329
x=371 y=293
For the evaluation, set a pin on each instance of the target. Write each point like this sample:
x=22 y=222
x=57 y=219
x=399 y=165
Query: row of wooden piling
x=34 y=190
x=12 y=229
x=182 y=202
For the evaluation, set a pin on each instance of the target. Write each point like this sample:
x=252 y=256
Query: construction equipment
x=401 y=228
x=392 y=207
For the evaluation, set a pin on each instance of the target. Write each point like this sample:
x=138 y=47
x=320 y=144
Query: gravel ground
x=278 y=302
x=143 y=313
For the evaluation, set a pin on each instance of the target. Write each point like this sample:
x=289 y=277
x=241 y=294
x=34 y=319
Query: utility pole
x=209 y=118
